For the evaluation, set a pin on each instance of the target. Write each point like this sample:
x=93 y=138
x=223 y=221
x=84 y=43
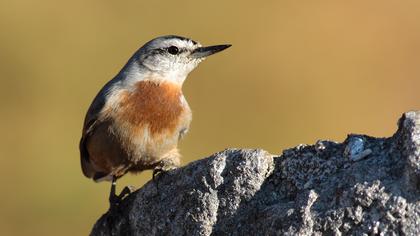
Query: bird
x=136 y=120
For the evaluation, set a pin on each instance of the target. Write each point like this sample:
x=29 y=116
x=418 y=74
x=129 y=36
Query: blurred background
x=298 y=71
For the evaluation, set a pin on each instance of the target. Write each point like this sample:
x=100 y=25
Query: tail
x=90 y=173
x=87 y=167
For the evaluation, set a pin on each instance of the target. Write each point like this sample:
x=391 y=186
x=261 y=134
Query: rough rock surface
x=365 y=185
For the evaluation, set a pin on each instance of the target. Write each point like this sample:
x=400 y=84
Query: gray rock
x=308 y=190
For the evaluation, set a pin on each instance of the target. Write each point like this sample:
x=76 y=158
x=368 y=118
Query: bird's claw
x=160 y=170
x=157 y=171
x=115 y=200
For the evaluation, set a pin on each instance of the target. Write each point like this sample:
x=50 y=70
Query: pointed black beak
x=202 y=52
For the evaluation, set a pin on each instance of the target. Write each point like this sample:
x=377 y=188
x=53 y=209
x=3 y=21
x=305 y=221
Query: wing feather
x=91 y=121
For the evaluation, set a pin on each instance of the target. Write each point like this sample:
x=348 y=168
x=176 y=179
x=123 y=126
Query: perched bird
x=135 y=121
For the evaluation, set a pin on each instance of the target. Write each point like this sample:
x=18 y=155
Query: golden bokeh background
x=298 y=71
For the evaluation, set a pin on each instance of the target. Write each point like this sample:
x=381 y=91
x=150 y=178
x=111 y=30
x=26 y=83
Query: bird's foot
x=158 y=172
x=114 y=199
x=161 y=170
x=127 y=190
x=169 y=162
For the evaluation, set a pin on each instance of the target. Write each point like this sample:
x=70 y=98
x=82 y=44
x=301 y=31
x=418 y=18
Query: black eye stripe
x=163 y=51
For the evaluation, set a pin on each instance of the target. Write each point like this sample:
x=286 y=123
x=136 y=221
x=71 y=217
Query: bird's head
x=173 y=57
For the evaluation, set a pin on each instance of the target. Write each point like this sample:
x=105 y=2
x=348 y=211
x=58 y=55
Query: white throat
x=134 y=73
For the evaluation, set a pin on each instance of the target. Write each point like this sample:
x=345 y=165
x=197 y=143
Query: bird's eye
x=173 y=50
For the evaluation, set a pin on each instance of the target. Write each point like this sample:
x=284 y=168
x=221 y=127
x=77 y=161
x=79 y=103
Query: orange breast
x=157 y=105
